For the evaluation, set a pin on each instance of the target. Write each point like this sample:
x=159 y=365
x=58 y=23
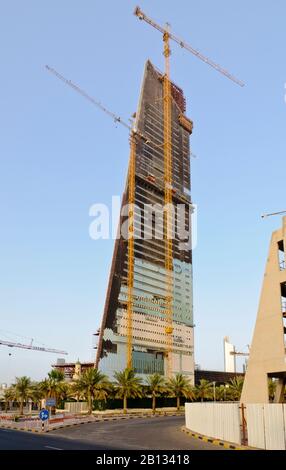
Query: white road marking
x=54 y=448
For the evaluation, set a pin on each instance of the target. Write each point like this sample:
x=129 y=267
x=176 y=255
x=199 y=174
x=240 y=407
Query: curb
x=96 y=420
x=216 y=442
x=20 y=429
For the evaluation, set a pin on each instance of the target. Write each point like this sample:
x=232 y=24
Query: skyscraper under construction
x=149 y=341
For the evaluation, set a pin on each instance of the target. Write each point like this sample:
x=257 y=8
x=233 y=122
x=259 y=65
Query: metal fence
x=216 y=420
x=266 y=426
x=261 y=426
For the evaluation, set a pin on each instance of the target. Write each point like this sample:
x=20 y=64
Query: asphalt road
x=139 y=434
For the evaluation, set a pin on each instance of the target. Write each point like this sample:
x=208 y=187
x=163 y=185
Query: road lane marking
x=53 y=448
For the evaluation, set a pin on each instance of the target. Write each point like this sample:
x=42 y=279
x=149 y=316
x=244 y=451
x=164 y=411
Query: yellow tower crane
x=135 y=136
x=168 y=222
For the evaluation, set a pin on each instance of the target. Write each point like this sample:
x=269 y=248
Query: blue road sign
x=44 y=415
x=50 y=402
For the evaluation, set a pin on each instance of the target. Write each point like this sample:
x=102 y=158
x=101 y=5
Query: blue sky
x=59 y=155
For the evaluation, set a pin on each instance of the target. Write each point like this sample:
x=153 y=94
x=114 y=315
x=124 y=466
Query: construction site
x=142 y=363
x=147 y=323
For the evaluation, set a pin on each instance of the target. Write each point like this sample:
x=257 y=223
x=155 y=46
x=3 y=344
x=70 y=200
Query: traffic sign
x=50 y=402
x=44 y=415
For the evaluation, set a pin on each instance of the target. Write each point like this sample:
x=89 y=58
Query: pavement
x=136 y=434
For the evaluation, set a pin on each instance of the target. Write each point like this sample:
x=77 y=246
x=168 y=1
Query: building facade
x=149 y=292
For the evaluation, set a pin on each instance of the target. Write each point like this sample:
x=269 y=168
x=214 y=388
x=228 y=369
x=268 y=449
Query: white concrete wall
x=216 y=420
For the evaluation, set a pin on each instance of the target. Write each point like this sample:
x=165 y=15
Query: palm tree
x=220 y=393
x=156 y=385
x=93 y=385
x=22 y=390
x=179 y=386
x=127 y=385
x=36 y=394
x=235 y=387
x=9 y=395
x=204 y=390
x=75 y=391
x=56 y=375
x=54 y=386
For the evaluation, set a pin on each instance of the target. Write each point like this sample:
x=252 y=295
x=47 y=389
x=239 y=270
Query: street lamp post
x=214 y=391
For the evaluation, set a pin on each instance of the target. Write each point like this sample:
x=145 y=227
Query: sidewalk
x=61 y=420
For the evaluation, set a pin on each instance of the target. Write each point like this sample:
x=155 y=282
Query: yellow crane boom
x=142 y=16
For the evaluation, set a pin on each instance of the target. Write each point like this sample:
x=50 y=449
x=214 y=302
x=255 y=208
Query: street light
x=214 y=391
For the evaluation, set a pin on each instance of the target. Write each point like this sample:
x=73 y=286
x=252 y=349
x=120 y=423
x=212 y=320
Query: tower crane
x=135 y=136
x=30 y=346
x=236 y=353
x=264 y=216
x=168 y=222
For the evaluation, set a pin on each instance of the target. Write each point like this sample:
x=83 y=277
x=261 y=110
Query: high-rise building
x=149 y=340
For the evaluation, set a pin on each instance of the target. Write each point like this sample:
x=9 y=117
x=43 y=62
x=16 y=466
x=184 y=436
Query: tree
x=92 y=385
x=204 y=390
x=235 y=387
x=54 y=386
x=36 y=394
x=179 y=386
x=220 y=393
x=127 y=385
x=22 y=390
x=75 y=391
x=56 y=375
x=156 y=386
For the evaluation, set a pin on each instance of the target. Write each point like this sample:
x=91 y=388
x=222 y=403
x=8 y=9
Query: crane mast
x=167 y=116
x=130 y=257
x=168 y=199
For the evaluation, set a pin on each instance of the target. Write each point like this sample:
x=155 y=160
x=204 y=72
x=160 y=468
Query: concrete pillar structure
x=267 y=354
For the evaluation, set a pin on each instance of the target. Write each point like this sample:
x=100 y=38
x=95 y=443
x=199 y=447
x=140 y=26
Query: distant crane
x=168 y=222
x=273 y=213
x=30 y=346
x=238 y=353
